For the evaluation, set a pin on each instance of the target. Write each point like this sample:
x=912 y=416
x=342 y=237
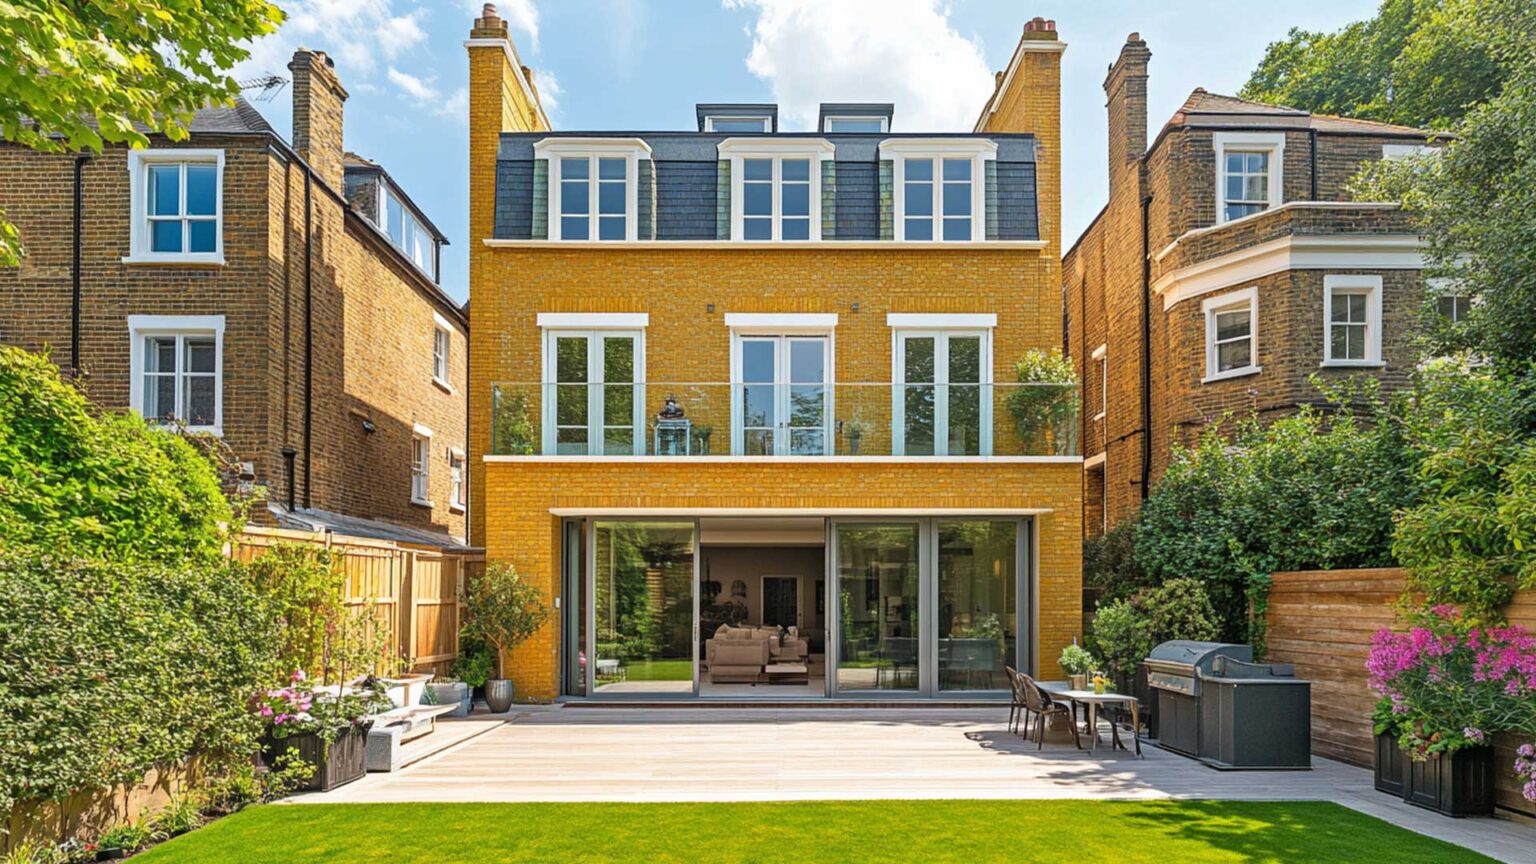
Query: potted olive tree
x=503 y=610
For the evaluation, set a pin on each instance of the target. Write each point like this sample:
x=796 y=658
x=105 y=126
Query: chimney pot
x=1134 y=37
x=488 y=10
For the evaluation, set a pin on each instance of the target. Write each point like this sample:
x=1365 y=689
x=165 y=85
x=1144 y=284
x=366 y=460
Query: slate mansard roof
x=684 y=191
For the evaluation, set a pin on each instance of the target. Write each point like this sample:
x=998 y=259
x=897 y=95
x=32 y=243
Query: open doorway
x=762 y=607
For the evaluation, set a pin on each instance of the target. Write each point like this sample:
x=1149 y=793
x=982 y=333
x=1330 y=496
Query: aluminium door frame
x=591 y=613
x=782 y=385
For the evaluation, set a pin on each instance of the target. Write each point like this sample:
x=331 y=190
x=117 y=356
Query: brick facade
x=371 y=311
x=1157 y=230
x=687 y=291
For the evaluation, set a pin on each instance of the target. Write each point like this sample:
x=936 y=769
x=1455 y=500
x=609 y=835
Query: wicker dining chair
x=1039 y=703
x=1016 y=706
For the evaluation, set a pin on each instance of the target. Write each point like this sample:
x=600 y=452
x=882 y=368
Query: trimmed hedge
x=110 y=669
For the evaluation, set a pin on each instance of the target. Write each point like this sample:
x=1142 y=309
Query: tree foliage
x=503 y=608
x=1417 y=63
x=98 y=484
x=1313 y=491
x=1125 y=631
x=1476 y=207
x=1471 y=541
x=78 y=74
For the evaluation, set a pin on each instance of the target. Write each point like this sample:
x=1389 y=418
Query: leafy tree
x=78 y=74
x=504 y=609
x=1417 y=63
x=1476 y=206
x=98 y=484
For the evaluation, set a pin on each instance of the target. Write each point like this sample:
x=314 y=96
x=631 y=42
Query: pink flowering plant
x=1450 y=682
x=297 y=708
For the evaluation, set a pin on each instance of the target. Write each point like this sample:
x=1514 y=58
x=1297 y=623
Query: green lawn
x=655 y=670
x=1116 y=832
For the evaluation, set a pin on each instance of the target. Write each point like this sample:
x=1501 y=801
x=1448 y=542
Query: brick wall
x=520 y=493
x=372 y=320
x=1102 y=280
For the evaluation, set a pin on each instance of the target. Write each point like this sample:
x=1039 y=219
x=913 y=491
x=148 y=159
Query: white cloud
x=901 y=51
x=413 y=86
x=425 y=94
x=549 y=89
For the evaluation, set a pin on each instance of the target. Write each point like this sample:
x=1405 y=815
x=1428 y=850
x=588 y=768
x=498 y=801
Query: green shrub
x=94 y=484
x=1120 y=636
x=1075 y=660
x=1045 y=415
x=111 y=668
x=1316 y=491
x=1109 y=563
x=322 y=634
x=1472 y=540
x=1125 y=631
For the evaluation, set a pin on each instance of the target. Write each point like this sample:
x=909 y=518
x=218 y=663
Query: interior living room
x=741 y=606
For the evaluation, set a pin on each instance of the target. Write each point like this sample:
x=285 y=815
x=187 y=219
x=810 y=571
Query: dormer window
x=940 y=195
x=592 y=187
x=775 y=188
x=406 y=231
x=875 y=125
x=738 y=125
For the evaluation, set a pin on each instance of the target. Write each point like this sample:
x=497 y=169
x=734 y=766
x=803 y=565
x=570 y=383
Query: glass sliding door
x=978 y=603
x=643 y=608
x=877 y=589
x=782 y=396
x=929 y=607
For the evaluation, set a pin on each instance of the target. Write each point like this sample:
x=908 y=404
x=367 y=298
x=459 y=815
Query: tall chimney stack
x=1125 y=91
x=317 y=114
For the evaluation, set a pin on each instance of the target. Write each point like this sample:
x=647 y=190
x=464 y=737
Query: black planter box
x=1457 y=785
x=341 y=763
x=1391 y=765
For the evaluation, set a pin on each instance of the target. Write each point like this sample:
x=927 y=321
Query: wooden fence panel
x=1322 y=621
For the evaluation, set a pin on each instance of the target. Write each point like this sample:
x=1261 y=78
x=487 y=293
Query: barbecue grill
x=1255 y=715
x=1174 y=670
x=1215 y=704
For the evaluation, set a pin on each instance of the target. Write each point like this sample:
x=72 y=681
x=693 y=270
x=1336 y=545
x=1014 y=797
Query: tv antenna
x=267 y=87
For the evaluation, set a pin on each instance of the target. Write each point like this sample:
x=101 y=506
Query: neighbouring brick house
x=1228 y=266
x=282 y=296
x=736 y=376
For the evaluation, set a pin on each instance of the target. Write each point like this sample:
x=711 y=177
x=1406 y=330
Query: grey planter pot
x=456 y=693
x=498 y=695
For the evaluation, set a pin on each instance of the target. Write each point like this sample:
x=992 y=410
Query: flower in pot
x=701 y=436
x=1077 y=662
x=503 y=610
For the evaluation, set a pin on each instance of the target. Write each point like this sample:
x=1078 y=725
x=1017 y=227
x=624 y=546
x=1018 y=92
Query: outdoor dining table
x=1092 y=700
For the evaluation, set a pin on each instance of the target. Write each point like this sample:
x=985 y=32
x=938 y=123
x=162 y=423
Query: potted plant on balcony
x=327 y=729
x=503 y=611
x=1044 y=404
x=855 y=430
x=1446 y=685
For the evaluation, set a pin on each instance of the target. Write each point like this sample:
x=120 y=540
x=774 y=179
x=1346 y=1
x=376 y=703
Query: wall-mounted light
x=709 y=307
x=368 y=427
x=855 y=306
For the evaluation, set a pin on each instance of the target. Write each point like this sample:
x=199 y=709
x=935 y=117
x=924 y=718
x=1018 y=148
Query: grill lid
x=1196 y=655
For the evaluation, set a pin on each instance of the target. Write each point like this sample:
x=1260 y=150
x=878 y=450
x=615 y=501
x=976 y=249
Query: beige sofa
x=738 y=654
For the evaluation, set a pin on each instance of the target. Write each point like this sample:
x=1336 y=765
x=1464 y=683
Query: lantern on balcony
x=673 y=435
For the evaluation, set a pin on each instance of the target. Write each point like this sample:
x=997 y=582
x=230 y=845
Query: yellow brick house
x=744 y=400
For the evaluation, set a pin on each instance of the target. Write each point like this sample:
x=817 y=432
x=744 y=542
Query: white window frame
x=737 y=150
x=979 y=150
x=1247 y=298
x=1441 y=289
x=1101 y=356
x=139 y=246
x=785 y=327
x=1273 y=142
x=594 y=328
x=632 y=150
x=1394 y=152
x=456 y=479
x=941 y=328
x=421 y=474
x=765 y=120
x=1354 y=283
x=883 y=121
x=442 y=352
x=142 y=327
x=412 y=232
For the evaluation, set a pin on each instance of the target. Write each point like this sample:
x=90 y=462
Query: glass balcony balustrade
x=784 y=419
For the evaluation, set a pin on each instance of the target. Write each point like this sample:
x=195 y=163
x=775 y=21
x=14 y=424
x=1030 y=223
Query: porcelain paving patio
x=722 y=754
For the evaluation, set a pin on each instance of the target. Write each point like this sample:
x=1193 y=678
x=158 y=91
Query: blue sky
x=628 y=64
